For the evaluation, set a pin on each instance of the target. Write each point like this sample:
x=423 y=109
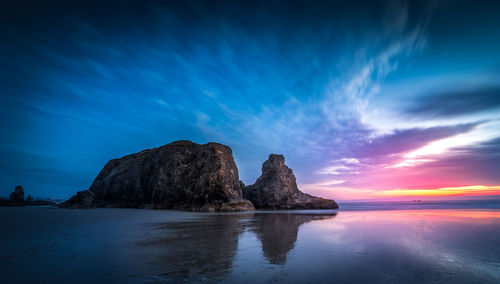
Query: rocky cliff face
x=180 y=175
x=277 y=188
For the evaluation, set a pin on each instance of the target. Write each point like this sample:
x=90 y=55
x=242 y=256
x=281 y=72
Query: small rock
x=17 y=197
x=82 y=200
x=237 y=205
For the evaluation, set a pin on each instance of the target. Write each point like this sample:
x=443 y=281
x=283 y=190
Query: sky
x=365 y=99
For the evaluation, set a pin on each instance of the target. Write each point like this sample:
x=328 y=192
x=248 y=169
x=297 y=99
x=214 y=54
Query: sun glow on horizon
x=477 y=190
x=346 y=193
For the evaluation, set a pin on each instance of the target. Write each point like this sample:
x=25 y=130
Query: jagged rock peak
x=274 y=160
x=277 y=188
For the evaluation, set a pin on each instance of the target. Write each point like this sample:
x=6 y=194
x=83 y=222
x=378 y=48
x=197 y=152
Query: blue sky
x=360 y=96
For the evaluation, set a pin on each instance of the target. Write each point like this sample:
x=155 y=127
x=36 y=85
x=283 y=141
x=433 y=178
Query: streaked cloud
x=351 y=93
x=457 y=103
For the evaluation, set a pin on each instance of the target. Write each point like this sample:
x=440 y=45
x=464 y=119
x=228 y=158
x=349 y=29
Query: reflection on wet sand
x=278 y=232
x=396 y=246
x=203 y=247
x=206 y=247
x=151 y=246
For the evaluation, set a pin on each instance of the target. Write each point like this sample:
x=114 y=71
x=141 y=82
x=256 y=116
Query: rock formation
x=82 y=200
x=277 y=188
x=180 y=175
x=17 y=197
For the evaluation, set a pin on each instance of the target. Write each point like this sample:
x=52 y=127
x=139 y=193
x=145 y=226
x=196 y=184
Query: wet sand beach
x=47 y=245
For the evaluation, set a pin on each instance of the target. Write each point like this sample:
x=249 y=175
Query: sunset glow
x=441 y=192
x=459 y=192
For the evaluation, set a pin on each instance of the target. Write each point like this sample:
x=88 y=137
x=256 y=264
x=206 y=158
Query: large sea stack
x=180 y=175
x=277 y=188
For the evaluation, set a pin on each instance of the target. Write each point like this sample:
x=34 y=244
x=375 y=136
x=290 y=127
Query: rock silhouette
x=181 y=175
x=187 y=176
x=277 y=188
x=16 y=198
x=82 y=200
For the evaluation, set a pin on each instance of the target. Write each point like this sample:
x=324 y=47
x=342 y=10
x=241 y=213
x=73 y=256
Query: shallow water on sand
x=126 y=245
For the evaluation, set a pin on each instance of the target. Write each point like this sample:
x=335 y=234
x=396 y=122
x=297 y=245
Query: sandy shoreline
x=45 y=245
x=53 y=245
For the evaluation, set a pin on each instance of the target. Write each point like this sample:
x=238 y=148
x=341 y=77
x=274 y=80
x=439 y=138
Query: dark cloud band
x=457 y=103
